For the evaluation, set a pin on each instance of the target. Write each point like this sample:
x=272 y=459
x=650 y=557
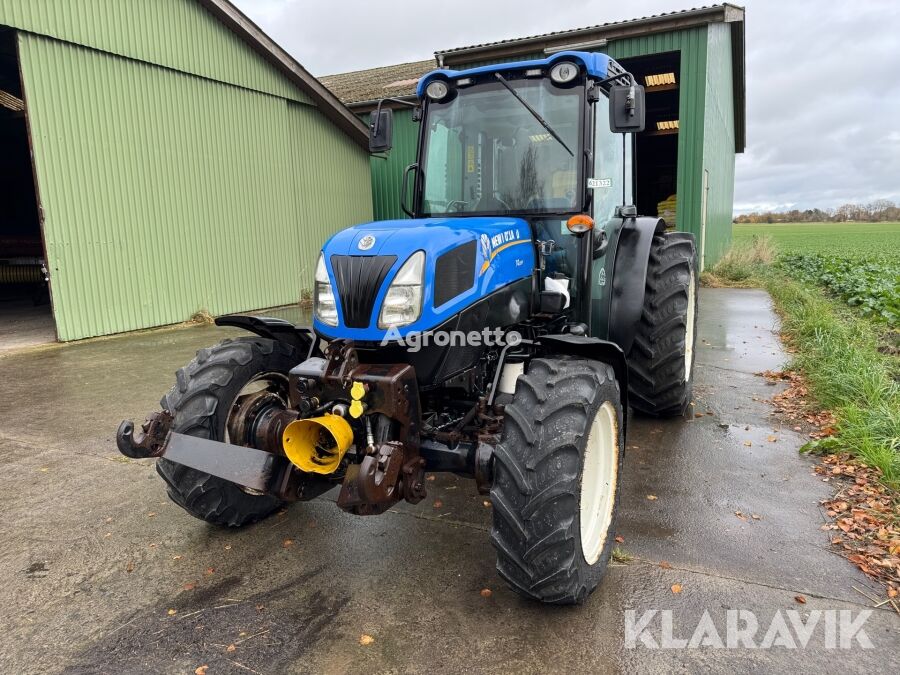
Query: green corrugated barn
x=692 y=65
x=162 y=157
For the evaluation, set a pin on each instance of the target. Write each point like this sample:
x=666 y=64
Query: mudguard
x=301 y=338
x=594 y=349
x=629 y=278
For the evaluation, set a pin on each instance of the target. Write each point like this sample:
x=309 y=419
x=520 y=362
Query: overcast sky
x=823 y=87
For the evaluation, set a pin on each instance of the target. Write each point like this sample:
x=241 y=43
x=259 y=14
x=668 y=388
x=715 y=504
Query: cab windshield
x=486 y=153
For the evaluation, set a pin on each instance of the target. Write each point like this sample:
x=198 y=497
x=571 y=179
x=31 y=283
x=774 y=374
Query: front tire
x=201 y=402
x=661 y=359
x=556 y=480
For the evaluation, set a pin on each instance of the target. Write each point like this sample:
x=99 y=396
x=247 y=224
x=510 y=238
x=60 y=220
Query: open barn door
x=657 y=147
x=26 y=316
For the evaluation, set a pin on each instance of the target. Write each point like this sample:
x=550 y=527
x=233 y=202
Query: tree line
x=879 y=211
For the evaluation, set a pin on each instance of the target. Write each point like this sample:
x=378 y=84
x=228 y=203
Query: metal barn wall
x=164 y=193
x=177 y=34
x=387 y=174
x=718 y=143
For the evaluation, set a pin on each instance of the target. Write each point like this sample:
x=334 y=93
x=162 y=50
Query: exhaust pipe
x=318 y=444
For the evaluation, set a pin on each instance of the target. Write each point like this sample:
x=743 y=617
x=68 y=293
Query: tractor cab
x=547 y=142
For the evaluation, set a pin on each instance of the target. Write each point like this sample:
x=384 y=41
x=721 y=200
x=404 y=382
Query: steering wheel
x=456 y=205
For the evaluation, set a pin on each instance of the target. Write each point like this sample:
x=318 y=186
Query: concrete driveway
x=95 y=557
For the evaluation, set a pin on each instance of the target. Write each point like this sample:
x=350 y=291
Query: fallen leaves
x=866 y=516
x=486 y=592
x=676 y=588
x=620 y=539
x=230 y=648
x=190 y=586
x=800 y=599
x=437 y=504
x=794 y=404
x=652 y=498
x=201 y=670
x=664 y=564
x=748 y=443
x=366 y=640
x=287 y=543
x=172 y=612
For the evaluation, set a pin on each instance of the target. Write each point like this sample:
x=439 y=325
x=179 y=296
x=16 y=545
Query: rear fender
x=596 y=350
x=629 y=279
x=301 y=338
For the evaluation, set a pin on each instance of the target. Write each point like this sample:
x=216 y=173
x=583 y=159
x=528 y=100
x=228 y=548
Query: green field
x=846 y=240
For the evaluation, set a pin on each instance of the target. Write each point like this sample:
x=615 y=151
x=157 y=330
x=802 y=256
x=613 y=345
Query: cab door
x=612 y=186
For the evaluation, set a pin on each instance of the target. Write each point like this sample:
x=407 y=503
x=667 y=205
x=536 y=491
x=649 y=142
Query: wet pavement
x=95 y=557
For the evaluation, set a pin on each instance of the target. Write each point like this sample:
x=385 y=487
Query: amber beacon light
x=580 y=224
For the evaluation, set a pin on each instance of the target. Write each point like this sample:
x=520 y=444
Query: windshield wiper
x=535 y=113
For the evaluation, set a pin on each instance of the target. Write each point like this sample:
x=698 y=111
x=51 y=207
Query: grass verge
x=841 y=355
x=847 y=374
x=743 y=266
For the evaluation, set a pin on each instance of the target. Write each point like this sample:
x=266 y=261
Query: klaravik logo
x=366 y=243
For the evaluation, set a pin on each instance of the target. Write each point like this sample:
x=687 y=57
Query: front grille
x=456 y=272
x=359 y=278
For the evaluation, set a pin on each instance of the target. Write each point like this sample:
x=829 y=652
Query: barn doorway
x=26 y=315
x=657 y=147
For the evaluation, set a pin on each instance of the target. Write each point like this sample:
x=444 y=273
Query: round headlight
x=437 y=90
x=563 y=72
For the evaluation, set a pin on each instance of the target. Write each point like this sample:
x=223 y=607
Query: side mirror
x=381 y=130
x=627 y=109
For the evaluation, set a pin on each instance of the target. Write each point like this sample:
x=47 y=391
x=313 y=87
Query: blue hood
x=504 y=253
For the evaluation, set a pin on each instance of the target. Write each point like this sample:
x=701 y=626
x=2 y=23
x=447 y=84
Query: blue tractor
x=502 y=332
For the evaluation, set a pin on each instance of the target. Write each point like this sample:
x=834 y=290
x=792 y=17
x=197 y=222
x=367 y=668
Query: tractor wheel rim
x=689 y=329
x=259 y=385
x=598 y=482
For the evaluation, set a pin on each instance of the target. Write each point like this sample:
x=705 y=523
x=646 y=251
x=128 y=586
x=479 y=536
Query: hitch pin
x=370 y=437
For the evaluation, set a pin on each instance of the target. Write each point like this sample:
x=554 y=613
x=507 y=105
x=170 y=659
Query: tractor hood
x=466 y=259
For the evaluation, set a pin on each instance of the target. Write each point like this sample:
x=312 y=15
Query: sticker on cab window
x=599 y=183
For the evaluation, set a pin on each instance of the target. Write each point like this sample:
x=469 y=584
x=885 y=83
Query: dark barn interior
x=657 y=147
x=25 y=310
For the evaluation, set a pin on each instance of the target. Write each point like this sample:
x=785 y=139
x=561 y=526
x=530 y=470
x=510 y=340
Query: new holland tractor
x=501 y=332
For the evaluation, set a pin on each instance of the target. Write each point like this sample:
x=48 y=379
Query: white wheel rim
x=689 y=331
x=598 y=482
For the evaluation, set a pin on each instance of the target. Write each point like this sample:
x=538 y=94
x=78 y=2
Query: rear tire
x=553 y=528
x=201 y=401
x=661 y=359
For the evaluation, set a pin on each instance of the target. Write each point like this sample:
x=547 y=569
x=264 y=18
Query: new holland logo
x=366 y=243
x=486 y=246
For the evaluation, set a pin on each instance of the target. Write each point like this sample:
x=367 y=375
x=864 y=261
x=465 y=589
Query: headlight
x=324 y=303
x=563 y=72
x=403 y=301
x=437 y=90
